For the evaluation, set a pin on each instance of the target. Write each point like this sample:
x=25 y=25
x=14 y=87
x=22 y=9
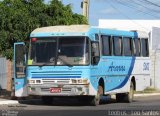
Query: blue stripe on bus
x=34 y=75
x=55 y=72
x=127 y=77
x=57 y=77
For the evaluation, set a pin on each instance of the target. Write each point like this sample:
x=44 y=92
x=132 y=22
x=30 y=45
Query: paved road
x=142 y=106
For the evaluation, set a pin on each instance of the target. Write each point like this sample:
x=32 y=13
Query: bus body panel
x=114 y=71
x=141 y=72
x=59 y=77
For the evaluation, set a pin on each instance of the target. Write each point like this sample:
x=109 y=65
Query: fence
x=3 y=73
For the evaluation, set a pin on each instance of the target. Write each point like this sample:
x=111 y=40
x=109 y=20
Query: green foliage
x=19 y=17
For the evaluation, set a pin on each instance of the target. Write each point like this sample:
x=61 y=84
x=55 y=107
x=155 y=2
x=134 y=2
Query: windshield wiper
x=45 y=64
x=52 y=60
x=66 y=63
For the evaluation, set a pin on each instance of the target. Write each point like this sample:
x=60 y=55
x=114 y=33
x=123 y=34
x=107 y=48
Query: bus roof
x=63 y=28
x=66 y=30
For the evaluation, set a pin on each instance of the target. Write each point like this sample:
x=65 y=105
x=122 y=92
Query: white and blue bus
x=82 y=61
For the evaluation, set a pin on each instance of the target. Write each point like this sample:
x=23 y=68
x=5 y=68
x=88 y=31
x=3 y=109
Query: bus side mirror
x=95 y=60
x=95 y=53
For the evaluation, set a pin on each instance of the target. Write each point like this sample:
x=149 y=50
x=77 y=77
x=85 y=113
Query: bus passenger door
x=20 y=70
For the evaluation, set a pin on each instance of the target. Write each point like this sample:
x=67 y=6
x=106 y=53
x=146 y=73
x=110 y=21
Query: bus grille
x=59 y=77
x=59 y=81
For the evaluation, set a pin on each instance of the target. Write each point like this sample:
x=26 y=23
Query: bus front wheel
x=97 y=98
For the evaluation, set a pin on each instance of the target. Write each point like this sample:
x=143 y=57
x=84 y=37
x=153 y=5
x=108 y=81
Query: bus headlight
x=31 y=81
x=38 y=81
x=34 y=81
x=79 y=81
x=85 y=81
x=73 y=81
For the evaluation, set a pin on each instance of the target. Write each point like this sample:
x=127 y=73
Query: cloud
x=108 y=11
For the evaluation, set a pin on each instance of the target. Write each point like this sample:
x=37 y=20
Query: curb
x=146 y=94
x=6 y=102
x=140 y=95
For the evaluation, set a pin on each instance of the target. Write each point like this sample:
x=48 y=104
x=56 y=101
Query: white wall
x=143 y=25
x=155 y=57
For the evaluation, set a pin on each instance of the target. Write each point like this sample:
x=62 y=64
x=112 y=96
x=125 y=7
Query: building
x=143 y=25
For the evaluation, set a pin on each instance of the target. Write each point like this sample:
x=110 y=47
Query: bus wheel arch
x=100 y=92
x=101 y=84
x=134 y=82
x=130 y=95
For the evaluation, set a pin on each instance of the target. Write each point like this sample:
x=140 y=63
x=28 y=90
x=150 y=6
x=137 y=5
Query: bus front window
x=64 y=51
x=43 y=50
x=73 y=51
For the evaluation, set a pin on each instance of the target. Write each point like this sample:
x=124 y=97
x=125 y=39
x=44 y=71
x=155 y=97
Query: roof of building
x=142 y=25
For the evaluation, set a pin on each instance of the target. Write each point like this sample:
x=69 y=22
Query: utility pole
x=85 y=6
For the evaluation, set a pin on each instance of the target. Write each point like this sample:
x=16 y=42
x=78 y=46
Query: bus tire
x=119 y=97
x=126 y=97
x=97 y=99
x=129 y=96
x=47 y=100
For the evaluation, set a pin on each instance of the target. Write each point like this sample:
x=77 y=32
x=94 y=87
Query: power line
x=144 y=6
x=133 y=7
x=127 y=16
x=152 y=3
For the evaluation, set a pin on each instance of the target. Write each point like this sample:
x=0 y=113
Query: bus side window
x=106 y=45
x=145 y=49
x=127 y=46
x=137 y=46
x=117 y=46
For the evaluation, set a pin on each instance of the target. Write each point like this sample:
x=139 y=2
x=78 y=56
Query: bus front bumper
x=59 y=90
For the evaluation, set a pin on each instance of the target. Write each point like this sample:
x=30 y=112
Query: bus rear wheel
x=97 y=99
x=126 y=97
x=129 y=96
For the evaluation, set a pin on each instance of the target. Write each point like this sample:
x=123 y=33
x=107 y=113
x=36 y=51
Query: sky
x=117 y=9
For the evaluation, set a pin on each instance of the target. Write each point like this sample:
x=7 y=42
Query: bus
x=82 y=61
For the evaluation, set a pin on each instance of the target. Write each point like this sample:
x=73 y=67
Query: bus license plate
x=55 y=90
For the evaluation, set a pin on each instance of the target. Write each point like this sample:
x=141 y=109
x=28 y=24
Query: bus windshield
x=62 y=51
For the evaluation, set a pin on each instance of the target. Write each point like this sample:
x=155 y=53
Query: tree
x=19 y=17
